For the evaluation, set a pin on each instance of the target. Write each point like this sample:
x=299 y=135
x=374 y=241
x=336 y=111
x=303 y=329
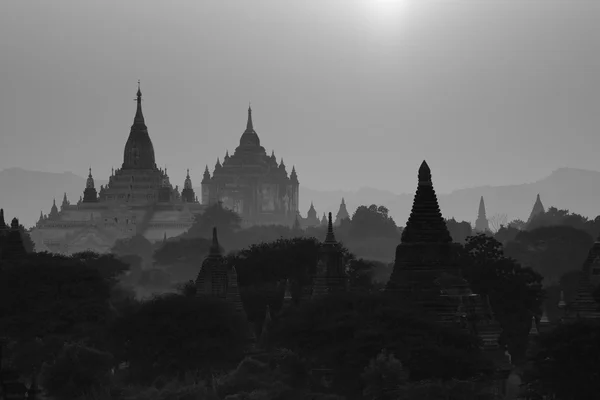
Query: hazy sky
x=352 y=92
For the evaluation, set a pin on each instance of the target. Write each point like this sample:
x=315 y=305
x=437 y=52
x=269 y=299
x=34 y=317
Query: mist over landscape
x=299 y=200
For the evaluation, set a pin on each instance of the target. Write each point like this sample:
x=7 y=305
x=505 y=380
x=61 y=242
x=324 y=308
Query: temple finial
x=330 y=238
x=139 y=117
x=249 y=125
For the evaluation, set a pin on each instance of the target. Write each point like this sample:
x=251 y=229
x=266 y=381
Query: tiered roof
x=425 y=223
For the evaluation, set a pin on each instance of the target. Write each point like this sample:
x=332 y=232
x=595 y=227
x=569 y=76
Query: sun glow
x=386 y=13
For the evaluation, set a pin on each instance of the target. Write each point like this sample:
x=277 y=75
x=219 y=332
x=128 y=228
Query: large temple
x=138 y=199
x=253 y=184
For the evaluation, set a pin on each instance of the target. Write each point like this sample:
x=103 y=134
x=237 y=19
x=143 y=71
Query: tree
x=497 y=221
x=64 y=298
x=77 y=371
x=514 y=292
x=506 y=234
x=551 y=250
x=136 y=245
x=372 y=221
x=172 y=333
x=459 y=230
x=383 y=376
x=360 y=274
x=345 y=331
x=182 y=258
x=567 y=358
x=225 y=220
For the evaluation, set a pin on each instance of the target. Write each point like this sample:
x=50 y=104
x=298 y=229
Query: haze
x=352 y=94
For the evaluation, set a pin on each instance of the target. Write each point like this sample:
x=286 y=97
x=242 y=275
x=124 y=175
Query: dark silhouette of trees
x=182 y=258
x=566 y=362
x=226 y=221
x=551 y=250
x=506 y=234
x=514 y=292
x=345 y=331
x=459 y=230
x=171 y=334
x=372 y=221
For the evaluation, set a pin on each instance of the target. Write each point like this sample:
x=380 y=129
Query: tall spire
x=425 y=223
x=3 y=225
x=215 y=249
x=249 y=126
x=139 y=117
x=538 y=208
x=482 y=223
x=330 y=238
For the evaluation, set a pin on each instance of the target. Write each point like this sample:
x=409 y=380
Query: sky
x=354 y=93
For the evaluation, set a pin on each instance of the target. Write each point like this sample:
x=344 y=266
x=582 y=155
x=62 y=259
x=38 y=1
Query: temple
x=253 y=184
x=342 y=213
x=426 y=272
x=538 y=208
x=584 y=306
x=482 y=224
x=139 y=199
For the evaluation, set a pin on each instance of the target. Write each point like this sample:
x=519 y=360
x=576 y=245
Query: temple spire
x=215 y=249
x=425 y=223
x=482 y=223
x=139 y=117
x=330 y=238
x=249 y=125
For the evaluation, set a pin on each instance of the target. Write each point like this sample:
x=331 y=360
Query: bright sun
x=386 y=11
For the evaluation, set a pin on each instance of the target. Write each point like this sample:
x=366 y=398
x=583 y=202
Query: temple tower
x=3 y=227
x=206 y=186
x=187 y=194
x=426 y=249
x=324 y=220
x=584 y=305
x=482 y=224
x=65 y=202
x=538 y=208
x=212 y=278
x=53 y=215
x=139 y=151
x=342 y=213
x=14 y=248
x=89 y=193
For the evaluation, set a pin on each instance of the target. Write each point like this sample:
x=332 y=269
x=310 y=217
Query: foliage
x=507 y=233
x=49 y=295
x=514 y=292
x=458 y=230
x=567 y=359
x=551 y=250
x=372 y=221
x=345 y=331
x=360 y=274
x=225 y=220
x=135 y=245
x=77 y=370
x=183 y=257
x=384 y=374
x=172 y=333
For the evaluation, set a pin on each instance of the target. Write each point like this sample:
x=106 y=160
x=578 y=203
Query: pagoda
x=13 y=248
x=139 y=199
x=538 y=208
x=426 y=249
x=212 y=278
x=482 y=224
x=253 y=184
x=342 y=213
x=584 y=305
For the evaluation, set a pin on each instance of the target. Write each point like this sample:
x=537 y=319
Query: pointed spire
x=139 y=117
x=538 y=208
x=481 y=207
x=425 y=223
x=249 y=125
x=533 y=331
x=39 y=220
x=165 y=237
x=343 y=201
x=2 y=222
x=188 y=174
x=215 y=249
x=330 y=238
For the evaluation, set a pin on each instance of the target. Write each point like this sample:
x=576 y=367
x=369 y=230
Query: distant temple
x=538 y=208
x=138 y=199
x=253 y=184
x=584 y=306
x=342 y=213
x=482 y=224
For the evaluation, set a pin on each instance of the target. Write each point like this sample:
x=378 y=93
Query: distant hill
x=24 y=193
